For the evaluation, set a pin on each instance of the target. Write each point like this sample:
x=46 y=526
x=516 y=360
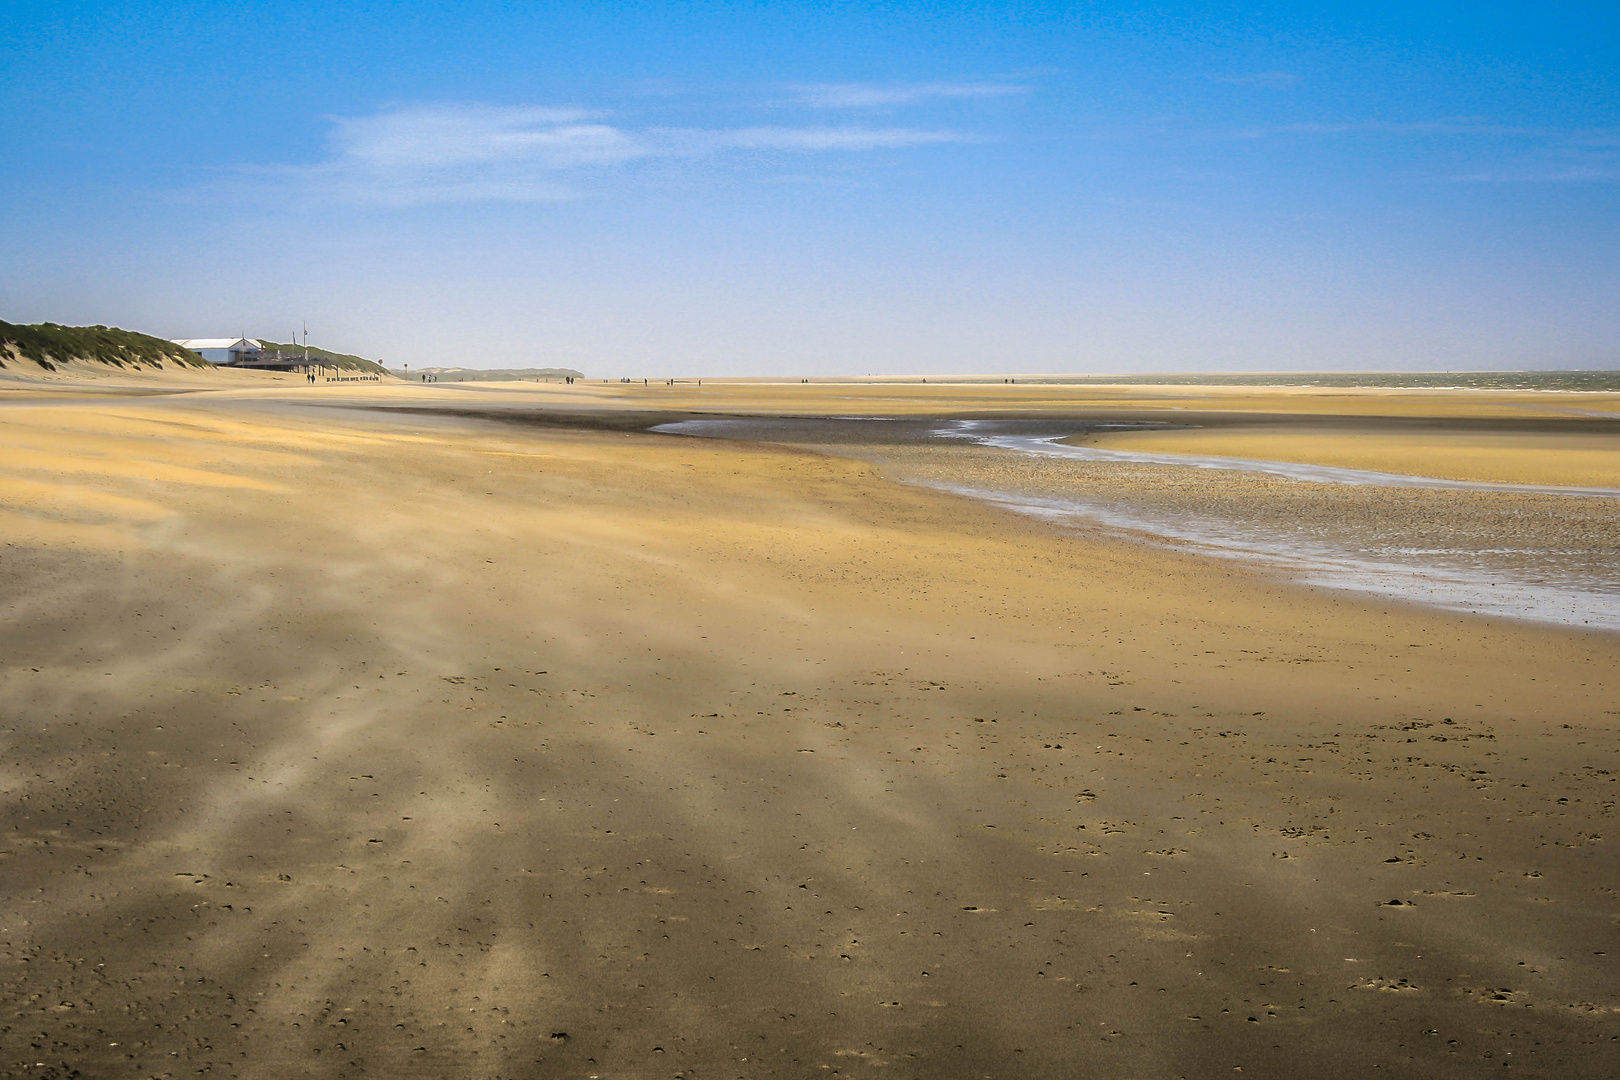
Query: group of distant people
x=429 y=378
x=311 y=377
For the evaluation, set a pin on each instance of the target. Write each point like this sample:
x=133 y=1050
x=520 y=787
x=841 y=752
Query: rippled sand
x=499 y=738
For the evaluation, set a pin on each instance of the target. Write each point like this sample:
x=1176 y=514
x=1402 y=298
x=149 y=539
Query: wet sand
x=345 y=743
x=1540 y=552
x=1587 y=459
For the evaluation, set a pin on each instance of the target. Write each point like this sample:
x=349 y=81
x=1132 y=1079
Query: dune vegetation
x=49 y=344
x=346 y=361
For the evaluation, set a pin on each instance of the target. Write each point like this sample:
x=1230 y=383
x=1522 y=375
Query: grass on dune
x=48 y=344
x=346 y=361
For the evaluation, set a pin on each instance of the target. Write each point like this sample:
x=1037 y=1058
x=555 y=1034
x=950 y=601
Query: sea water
x=1500 y=574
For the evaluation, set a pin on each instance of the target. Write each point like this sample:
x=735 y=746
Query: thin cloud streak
x=467 y=153
x=1260 y=78
x=1574 y=174
x=1454 y=126
x=1543 y=155
x=1387 y=127
x=881 y=95
x=461 y=134
x=696 y=141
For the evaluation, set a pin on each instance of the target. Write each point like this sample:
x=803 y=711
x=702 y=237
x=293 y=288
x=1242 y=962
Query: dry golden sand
x=341 y=743
x=23 y=378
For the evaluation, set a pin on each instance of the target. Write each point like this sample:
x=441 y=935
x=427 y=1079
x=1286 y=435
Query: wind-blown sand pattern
x=498 y=736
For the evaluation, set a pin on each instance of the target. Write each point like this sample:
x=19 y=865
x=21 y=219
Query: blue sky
x=650 y=189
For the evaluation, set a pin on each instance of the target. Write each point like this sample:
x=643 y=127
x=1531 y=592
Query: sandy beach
x=481 y=731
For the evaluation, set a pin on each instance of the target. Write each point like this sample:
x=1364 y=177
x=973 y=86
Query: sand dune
x=343 y=742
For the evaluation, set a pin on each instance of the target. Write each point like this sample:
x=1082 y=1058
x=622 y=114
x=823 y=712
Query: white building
x=223 y=350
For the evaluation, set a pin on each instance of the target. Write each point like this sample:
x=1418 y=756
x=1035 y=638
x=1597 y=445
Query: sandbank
x=498 y=737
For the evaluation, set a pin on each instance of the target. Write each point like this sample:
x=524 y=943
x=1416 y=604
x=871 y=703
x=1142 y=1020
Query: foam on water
x=1501 y=580
x=1316 y=474
x=1503 y=592
x=1439 y=577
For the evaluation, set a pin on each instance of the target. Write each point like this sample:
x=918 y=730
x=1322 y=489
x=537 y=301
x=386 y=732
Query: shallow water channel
x=1545 y=554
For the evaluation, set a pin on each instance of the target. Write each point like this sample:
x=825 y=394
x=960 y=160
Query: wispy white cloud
x=447 y=135
x=1586 y=157
x=1260 y=78
x=1455 y=125
x=887 y=95
x=1524 y=153
x=1567 y=174
x=1461 y=126
x=486 y=153
x=806 y=139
